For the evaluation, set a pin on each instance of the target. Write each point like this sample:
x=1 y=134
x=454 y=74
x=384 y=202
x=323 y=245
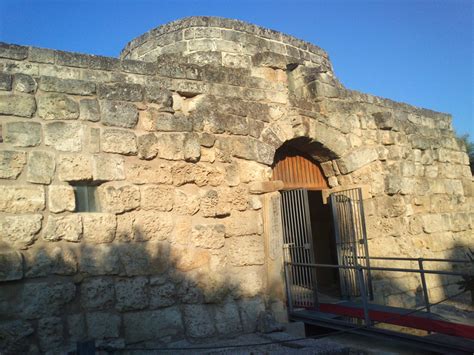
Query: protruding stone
x=11 y=163
x=131 y=294
x=67 y=86
x=41 y=166
x=11 y=266
x=61 y=198
x=119 y=141
x=67 y=228
x=23 y=134
x=75 y=167
x=119 y=114
x=57 y=107
x=107 y=168
x=21 y=199
x=89 y=110
x=261 y=187
x=17 y=105
x=99 y=227
x=64 y=136
x=20 y=230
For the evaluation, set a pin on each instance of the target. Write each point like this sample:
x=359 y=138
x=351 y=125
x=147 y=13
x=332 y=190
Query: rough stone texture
x=21 y=199
x=17 y=105
x=198 y=321
x=101 y=325
x=99 y=227
x=61 y=198
x=246 y=250
x=11 y=163
x=11 y=266
x=67 y=228
x=57 y=107
x=107 y=168
x=24 y=83
x=97 y=293
x=89 y=110
x=99 y=260
x=159 y=198
x=131 y=294
x=41 y=166
x=64 y=136
x=162 y=295
x=59 y=260
x=68 y=86
x=23 y=134
x=119 y=141
x=74 y=168
x=209 y=236
x=119 y=198
x=20 y=230
x=117 y=113
x=50 y=333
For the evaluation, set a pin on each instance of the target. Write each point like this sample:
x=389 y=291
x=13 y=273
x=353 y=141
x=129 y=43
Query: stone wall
x=179 y=147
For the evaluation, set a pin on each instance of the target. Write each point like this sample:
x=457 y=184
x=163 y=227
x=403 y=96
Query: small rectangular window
x=86 y=198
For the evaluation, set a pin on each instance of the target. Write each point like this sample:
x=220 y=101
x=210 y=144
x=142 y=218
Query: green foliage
x=470 y=149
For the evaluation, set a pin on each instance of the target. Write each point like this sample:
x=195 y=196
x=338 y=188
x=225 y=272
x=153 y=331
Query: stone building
x=137 y=197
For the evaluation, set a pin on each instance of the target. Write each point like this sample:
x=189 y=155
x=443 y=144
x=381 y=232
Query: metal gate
x=298 y=248
x=351 y=240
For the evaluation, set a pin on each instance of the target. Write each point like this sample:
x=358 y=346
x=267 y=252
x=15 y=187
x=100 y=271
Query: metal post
x=363 y=293
x=423 y=284
x=288 y=283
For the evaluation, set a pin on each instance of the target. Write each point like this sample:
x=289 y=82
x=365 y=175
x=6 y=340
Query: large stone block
x=162 y=295
x=76 y=326
x=5 y=82
x=159 y=95
x=185 y=258
x=119 y=198
x=120 y=114
x=20 y=230
x=107 y=167
x=119 y=141
x=24 y=83
x=97 y=293
x=67 y=86
x=246 y=250
x=50 y=334
x=11 y=163
x=41 y=166
x=21 y=199
x=61 y=198
x=145 y=325
x=228 y=318
x=17 y=105
x=249 y=280
x=23 y=134
x=15 y=336
x=186 y=200
x=249 y=311
x=252 y=149
x=57 y=107
x=64 y=136
x=157 y=197
x=99 y=227
x=151 y=225
x=213 y=205
x=142 y=259
x=147 y=146
x=13 y=51
x=120 y=91
x=357 y=159
x=57 y=260
x=89 y=110
x=67 y=228
x=208 y=236
x=434 y=223
x=244 y=223
x=44 y=299
x=167 y=122
x=100 y=260
x=192 y=148
x=131 y=294
x=11 y=266
x=101 y=325
x=145 y=174
x=75 y=167
x=198 y=321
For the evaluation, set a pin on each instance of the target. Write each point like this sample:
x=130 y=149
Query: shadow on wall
x=405 y=289
x=121 y=293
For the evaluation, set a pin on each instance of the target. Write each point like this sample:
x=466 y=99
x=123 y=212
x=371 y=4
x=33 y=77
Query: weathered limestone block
x=167 y=122
x=192 y=148
x=249 y=280
x=198 y=321
x=17 y=105
x=208 y=236
x=57 y=107
x=41 y=166
x=156 y=197
x=64 y=136
x=101 y=325
x=5 y=82
x=99 y=260
x=14 y=335
x=75 y=167
x=61 y=198
x=396 y=184
x=50 y=333
x=43 y=299
x=246 y=250
x=143 y=173
x=89 y=110
x=99 y=227
x=119 y=114
x=212 y=204
x=357 y=159
x=20 y=230
x=434 y=223
x=24 y=83
x=186 y=200
x=97 y=293
x=252 y=149
x=186 y=258
x=67 y=86
x=131 y=294
x=67 y=228
x=21 y=199
x=228 y=318
x=151 y=225
x=58 y=260
x=11 y=266
x=159 y=95
x=118 y=141
x=147 y=146
x=76 y=325
x=107 y=168
x=244 y=223
x=119 y=198
x=171 y=146
x=162 y=295
x=143 y=259
x=249 y=311
x=11 y=163
x=145 y=325
x=23 y=134
x=120 y=91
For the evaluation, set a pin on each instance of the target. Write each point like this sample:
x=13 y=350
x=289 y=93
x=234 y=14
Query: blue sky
x=414 y=51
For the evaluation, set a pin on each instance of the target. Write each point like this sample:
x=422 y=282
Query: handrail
x=416 y=259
